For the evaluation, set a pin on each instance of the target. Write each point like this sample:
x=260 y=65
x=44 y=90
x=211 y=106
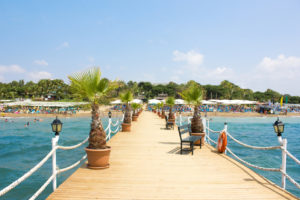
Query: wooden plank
x=146 y=164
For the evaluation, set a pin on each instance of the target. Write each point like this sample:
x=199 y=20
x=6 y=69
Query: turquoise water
x=259 y=131
x=22 y=148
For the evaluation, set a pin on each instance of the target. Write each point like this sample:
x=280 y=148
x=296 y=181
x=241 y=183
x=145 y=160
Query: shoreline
x=106 y=109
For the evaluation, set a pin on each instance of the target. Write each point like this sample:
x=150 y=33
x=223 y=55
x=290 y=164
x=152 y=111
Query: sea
x=21 y=148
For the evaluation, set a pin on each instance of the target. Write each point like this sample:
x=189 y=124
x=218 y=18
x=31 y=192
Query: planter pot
x=172 y=120
x=126 y=127
x=98 y=158
x=202 y=139
x=135 y=118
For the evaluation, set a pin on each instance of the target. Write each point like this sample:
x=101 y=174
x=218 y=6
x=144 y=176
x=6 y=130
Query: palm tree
x=194 y=96
x=135 y=106
x=89 y=85
x=162 y=110
x=170 y=102
x=126 y=98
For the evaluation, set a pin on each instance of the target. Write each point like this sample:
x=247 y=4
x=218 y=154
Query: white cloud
x=191 y=57
x=40 y=62
x=11 y=68
x=281 y=67
x=39 y=75
x=63 y=45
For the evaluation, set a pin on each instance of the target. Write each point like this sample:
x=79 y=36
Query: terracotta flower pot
x=98 y=158
x=126 y=127
x=202 y=139
x=135 y=118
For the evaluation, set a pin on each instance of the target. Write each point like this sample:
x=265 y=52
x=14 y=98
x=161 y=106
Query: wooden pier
x=146 y=164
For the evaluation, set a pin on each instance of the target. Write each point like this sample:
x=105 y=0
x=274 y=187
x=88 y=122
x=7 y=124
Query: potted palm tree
x=158 y=109
x=135 y=107
x=171 y=102
x=89 y=85
x=163 y=114
x=194 y=96
x=126 y=98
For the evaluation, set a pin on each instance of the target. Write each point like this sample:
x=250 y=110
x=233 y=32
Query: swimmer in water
x=6 y=120
x=27 y=124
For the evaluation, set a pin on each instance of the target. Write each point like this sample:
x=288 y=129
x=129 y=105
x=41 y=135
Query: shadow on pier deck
x=146 y=164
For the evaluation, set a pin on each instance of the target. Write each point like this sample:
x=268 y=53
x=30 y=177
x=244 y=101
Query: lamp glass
x=275 y=128
x=281 y=127
x=56 y=125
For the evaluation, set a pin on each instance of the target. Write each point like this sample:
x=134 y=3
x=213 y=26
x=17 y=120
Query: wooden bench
x=190 y=139
x=169 y=124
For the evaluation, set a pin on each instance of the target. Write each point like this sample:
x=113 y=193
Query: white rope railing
x=211 y=140
x=74 y=146
x=213 y=130
x=251 y=165
x=291 y=180
x=71 y=166
x=293 y=157
x=252 y=147
x=37 y=193
x=117 y=123
x=106 y=128
x=26 y=175
x=117 y=129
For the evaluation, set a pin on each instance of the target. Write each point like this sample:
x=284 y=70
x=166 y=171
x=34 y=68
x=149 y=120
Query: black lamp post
x=56 y=126
x=109 y=114
x=278 y=127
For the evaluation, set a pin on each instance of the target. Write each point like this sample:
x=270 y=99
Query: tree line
x=147 y=90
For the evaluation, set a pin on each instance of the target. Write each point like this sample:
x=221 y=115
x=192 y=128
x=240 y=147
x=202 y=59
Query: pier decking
x=146 y=164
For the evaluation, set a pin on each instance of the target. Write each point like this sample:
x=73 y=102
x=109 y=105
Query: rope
x=37 y=193
x=106 y=128
x=293 y=157
x=117 y=122
x=251 y=165
x=211 y=140
x=71 y=166
x=291 y=180
x=26 y=175
x=213 y=130
x=117 y=129
x=253 y=147
x=74 y=146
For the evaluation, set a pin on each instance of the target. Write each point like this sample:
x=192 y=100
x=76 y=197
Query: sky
x=254 y=44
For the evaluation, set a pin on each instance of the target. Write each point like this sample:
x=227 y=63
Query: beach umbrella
x=118 y=101
x=179 y=101
x=154 y=101
x=208 y=102
x=138 y=101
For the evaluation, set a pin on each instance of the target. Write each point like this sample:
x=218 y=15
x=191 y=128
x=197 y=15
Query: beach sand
x=105 y=109
x=82 y=113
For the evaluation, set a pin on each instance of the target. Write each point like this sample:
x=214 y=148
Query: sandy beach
x=105 y=109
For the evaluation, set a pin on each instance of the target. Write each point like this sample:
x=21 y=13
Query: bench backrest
x=184 y=129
